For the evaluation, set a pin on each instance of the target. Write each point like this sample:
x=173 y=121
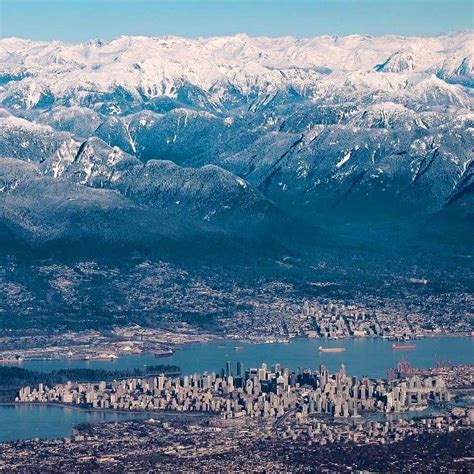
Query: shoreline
x=192 y=414
x=134 y=415
x=202 y=414
x=109 y=410
x=184 y=345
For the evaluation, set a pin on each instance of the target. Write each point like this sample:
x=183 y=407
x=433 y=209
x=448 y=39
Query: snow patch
x=344 y=159
x=241 y=182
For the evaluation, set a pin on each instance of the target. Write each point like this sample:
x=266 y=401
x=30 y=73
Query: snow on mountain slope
x=26 y=140
x=226 y=134
x=59 y=189
x=215 y=72
x=80 y=121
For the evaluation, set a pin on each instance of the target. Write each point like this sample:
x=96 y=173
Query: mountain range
x=160 y=141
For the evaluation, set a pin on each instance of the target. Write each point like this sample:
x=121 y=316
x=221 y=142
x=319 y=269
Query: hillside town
x=276 y=321
x=151 y=305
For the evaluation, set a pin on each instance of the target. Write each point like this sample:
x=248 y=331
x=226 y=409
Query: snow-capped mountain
x=225 y=72
x=224 y=134
x=62 y=188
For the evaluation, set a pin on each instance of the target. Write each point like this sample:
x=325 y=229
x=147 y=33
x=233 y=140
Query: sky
x=81 y=20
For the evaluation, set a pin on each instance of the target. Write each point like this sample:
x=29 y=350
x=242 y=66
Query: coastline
x=109 y=410
x=152 y=414
x=224 y=340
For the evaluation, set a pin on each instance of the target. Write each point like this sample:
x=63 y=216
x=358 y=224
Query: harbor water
x=369 y=357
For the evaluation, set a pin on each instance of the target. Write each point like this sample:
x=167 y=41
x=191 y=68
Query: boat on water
x=164 y=353
x=331 y=349
x=101 y=357
x=403 y=347
x=238 y=348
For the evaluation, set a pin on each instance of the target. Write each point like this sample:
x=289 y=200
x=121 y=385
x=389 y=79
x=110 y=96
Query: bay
x=362 y=357
x=29 y=421
x=371 y=357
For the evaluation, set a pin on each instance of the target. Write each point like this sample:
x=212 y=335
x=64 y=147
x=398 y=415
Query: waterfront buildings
x=259 y=392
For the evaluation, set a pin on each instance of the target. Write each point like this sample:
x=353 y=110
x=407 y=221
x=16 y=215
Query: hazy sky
x=79 y=20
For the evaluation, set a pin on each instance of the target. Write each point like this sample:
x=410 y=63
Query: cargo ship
x=100 y=357
x=403 y=347
x=164 y=353
x=331 y=349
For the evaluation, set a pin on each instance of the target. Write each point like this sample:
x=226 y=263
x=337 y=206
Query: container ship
x=100 y=357
x=403 y=347
x=164 y=353
x=331 y=349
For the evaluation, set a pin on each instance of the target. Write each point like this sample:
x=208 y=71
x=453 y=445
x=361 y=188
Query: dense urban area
x=442 y=445
x=250 y=419
x=276 y=321
x=262 y=419
x=84 y=302
x=257 y=392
